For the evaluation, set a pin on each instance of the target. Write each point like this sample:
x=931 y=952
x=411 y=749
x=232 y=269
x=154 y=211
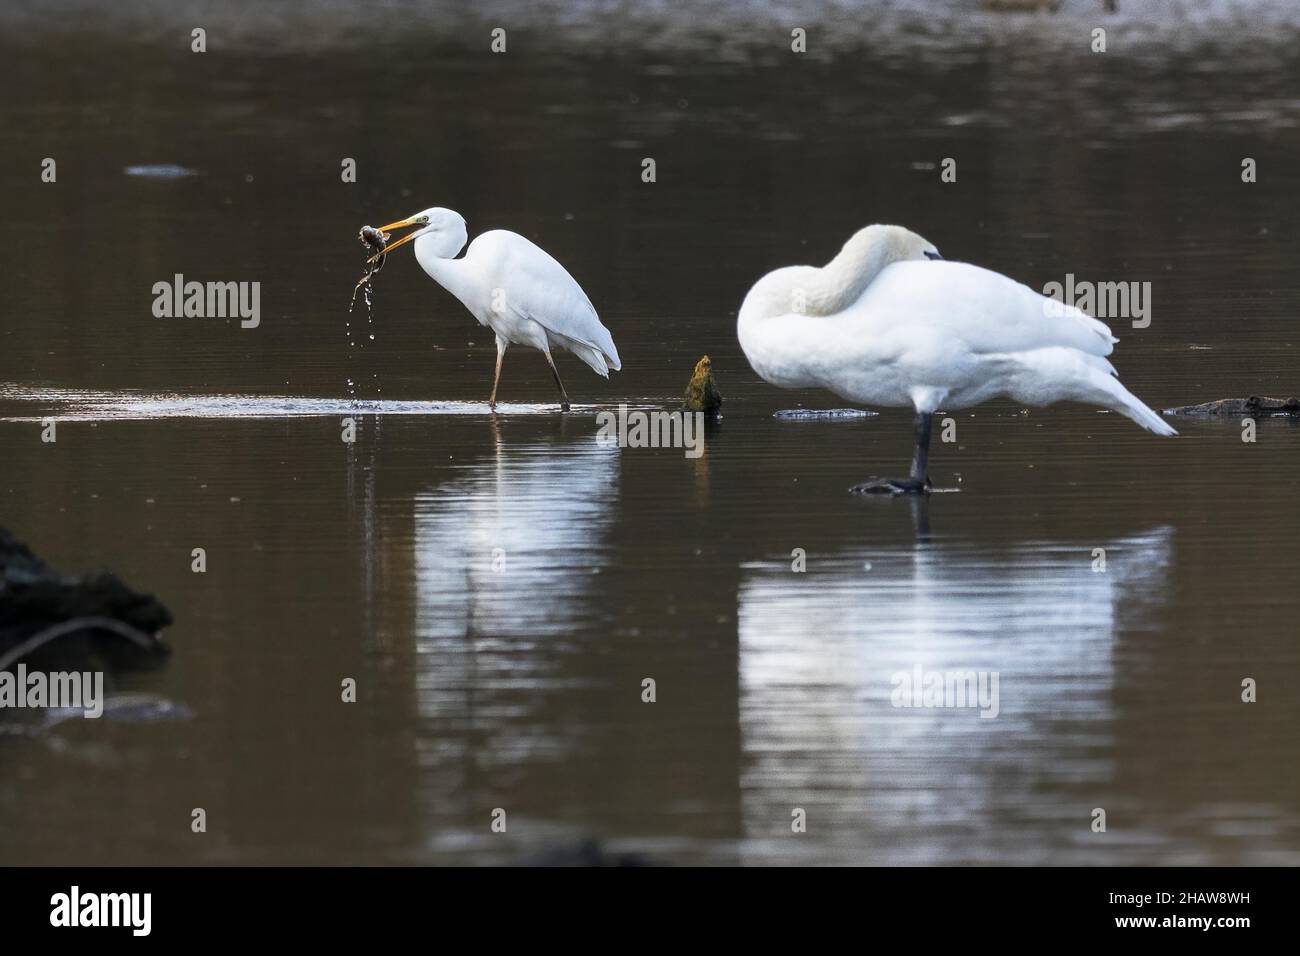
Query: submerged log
x=40 y=607
x=1252 y=407
x=584 y=853
x=822 y=414
x=1021 y=6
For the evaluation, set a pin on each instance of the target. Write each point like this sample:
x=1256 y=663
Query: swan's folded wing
x=988 y=311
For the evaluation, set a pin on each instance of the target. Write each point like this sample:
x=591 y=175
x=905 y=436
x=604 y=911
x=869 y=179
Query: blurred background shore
x=722 y=27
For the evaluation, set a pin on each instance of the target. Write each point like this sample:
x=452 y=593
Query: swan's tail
x=1064 y=373
x=1140 y=413
x=1128 y=404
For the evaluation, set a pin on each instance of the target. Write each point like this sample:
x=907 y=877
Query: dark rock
x=37 y=599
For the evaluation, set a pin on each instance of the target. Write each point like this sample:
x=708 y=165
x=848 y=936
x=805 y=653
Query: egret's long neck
x=435 y=255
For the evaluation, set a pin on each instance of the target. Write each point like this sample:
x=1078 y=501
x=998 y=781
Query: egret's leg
x=496 y=379
x=564 y=396
x=918 y=482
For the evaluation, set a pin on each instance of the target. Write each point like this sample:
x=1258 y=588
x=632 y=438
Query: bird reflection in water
x=820 y=657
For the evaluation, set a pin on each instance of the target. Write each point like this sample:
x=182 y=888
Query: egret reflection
x=508 y=558
x=514 y=545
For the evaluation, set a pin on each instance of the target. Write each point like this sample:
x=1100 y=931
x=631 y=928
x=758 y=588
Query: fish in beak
x=402 y=224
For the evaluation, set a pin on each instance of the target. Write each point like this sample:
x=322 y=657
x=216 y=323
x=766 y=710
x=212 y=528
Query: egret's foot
x=564 y=406
x=893 y=486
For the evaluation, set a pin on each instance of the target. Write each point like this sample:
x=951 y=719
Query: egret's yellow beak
x=400 y=242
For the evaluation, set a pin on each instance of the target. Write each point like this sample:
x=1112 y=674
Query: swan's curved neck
x=842 y=281
x=774 y=322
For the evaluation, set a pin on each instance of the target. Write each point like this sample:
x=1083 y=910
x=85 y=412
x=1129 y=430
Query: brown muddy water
x=518 y=684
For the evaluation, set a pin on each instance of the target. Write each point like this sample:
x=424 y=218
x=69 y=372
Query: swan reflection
x=824 y=655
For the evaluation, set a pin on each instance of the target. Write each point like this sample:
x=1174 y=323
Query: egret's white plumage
x=882 y=324
x=513 y=287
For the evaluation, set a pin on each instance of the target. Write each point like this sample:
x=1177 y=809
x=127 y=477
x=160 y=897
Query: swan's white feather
x=928 y=334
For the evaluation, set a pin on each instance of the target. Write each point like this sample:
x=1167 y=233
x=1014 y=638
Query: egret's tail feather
x=592 y=357
x=599 y=358
x=603 y=345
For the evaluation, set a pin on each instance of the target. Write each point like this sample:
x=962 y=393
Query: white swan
x=883 y=324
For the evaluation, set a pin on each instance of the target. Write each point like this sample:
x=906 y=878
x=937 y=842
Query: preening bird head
x=862 y=258
x=445 y=226
x=806 y=290
x=882 y=245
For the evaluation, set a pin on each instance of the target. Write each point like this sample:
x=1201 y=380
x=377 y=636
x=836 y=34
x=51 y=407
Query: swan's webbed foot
x=893 y=486
x=916 y=483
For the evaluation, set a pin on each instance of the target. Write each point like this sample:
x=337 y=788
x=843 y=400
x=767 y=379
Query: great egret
x=882 y=324
x=514 y=288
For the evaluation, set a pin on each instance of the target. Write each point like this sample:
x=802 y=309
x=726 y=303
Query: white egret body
x=513 y=287
x=882 y=324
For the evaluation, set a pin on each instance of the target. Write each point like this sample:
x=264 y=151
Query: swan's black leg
x=921 y=453
x=918 y=482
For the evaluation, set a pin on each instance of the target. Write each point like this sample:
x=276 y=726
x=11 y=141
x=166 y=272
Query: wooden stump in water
x=701 y=391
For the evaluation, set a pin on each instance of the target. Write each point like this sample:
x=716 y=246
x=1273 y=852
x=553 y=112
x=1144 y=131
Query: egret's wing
x=987 y=311
x=539 y=288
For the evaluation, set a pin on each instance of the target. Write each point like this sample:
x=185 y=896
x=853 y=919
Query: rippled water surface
x=500 y=587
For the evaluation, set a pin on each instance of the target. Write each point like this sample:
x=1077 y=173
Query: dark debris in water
x=585 y=853
x=822 y=414
x=117 y=708
x=160 y=171
x=42 y=610
x=1252 y=406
